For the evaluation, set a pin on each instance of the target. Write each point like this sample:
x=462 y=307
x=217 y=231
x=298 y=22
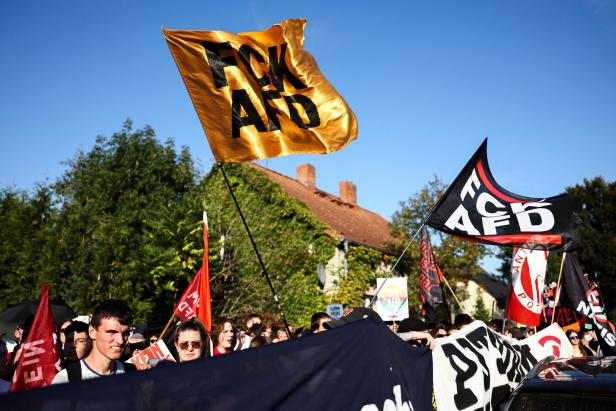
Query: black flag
x=476 y=208
x=580 y=293
x=430 y=277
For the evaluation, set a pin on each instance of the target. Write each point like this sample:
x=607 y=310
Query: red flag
x=430 y=277
x=189 y=305
x=527 y=279
x=40 y=355
x=205 y=305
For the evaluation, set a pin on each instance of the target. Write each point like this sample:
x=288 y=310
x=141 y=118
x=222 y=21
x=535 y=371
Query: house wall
x=474 y=292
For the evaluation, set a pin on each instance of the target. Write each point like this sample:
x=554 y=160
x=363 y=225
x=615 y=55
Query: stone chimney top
x=348 y=192
x=307 y=175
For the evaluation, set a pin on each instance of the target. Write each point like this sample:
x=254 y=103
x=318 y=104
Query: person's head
x=136 y=344
x=190 y=340
x=573 y=336
x=252 y=319
x=153 y=339
x=518 y=333
x=78 y=343
x=462 y=320
x=62 y=332
x=439 y=331
x=495 y=325
x=223 y=334
x=109 y=328
x=281 y=334
x=317 y=320
x=259 y=341
x=22 y=330
x=256 y=330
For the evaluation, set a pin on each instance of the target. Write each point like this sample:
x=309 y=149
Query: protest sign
x=334 y=311
x=476 y=368
x=392 y=302
x=158 y=350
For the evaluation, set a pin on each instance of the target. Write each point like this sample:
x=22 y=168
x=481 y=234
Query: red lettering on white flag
x=527 y=279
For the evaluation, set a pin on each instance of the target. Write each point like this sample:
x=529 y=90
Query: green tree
x=596 y=204
x=116 y=201
x=290 y=239
x=458 y=259
x=28 y=255
x=480 y=311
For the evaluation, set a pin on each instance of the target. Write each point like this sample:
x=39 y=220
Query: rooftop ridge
x=316 y=190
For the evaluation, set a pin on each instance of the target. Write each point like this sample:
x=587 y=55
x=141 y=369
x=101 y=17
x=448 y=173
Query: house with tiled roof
x=349 y=223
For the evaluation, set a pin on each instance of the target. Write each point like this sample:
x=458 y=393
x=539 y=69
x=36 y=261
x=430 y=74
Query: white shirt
x=86 y=373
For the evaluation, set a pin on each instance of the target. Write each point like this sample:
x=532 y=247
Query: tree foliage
x=457 y=258
x=596 y=204
x=124 y=221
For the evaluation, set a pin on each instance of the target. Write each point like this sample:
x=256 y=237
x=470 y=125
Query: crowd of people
x=103 y=345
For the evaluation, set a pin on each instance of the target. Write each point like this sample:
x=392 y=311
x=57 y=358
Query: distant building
x=492 y=291
x=350 y=225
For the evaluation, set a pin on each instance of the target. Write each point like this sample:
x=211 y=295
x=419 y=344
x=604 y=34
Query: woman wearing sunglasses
x=190 y=339
x=578 y=349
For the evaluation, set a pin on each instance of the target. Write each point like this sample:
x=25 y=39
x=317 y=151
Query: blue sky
x=427 y=80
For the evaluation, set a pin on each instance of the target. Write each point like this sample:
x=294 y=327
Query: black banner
x=360 y=366
x=580 y=293
x=476 y=208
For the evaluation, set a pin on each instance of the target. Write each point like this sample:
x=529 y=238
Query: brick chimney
x=348 y=192
x=307 y=175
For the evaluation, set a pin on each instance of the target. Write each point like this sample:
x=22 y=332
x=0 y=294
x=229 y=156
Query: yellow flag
x=260 y=95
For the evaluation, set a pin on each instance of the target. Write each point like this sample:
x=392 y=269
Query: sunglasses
x=153 y=340
x=194 y=344
x=574 y=337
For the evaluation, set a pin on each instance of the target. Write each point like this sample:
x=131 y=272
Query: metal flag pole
x=404 y=252
x=254 y=246
x=557 y=296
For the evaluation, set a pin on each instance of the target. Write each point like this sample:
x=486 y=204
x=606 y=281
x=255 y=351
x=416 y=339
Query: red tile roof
x=349 y=221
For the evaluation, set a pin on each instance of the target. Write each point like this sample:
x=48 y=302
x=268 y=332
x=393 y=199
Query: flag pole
x=160 y=337
x=510 y=278
x=404 y=252
x=452 y=293
x=254 y=246
x=562 y=263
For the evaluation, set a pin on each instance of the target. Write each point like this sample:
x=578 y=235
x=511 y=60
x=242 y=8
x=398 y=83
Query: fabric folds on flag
x=188 y=305
x=260 y=94
x=430 y=278
x=40 y=355
x=527 y=283
x=476 y=208
x=581 y=294
x=196 y=299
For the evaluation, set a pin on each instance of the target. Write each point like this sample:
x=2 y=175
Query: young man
x=108 y=330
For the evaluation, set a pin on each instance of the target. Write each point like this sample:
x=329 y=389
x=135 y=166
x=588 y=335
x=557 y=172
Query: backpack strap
x=73 y=371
